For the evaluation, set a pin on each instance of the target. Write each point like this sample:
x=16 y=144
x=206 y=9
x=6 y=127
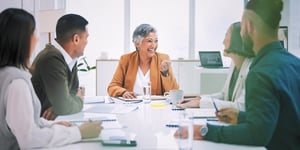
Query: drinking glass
x=185 y=123
x=147 y=92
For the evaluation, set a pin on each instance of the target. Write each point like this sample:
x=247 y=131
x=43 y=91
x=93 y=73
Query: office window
x=213 y=17
x=106 y=29
x=106 y=26
x=170 y=18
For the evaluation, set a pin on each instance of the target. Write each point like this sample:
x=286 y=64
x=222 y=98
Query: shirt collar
x=271 y=47
x=71 y=62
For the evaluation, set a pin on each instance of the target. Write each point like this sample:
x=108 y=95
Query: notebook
x=140 y=98
x=211 y=59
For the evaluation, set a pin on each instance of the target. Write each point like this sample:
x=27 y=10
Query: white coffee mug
x=174 y=96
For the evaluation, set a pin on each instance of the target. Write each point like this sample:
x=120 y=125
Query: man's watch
x=203 y=131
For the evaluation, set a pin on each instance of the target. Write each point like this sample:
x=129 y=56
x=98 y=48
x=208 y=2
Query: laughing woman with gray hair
x=143 y=65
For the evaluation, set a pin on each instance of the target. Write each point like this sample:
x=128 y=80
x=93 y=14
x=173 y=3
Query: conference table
x=145 y=123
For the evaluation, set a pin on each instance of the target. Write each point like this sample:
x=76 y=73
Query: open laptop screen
x=283 y=36
x=210 y=59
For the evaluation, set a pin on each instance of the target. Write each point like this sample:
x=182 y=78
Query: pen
x=172 y=125
x=177 y=108
x=110 y=100
x=207 y=118
x=217 y=110
x=185 y=101
x=201 y=117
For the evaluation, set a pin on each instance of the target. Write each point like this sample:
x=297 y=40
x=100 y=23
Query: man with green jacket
x=54 y=70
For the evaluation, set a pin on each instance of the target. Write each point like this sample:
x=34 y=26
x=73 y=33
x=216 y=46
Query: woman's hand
x=90 y=129
x=129 y=95
x=189 y=103
x=165 y=65
x=49 y=114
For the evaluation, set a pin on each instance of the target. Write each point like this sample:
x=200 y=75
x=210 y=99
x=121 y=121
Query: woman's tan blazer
x=125 y=75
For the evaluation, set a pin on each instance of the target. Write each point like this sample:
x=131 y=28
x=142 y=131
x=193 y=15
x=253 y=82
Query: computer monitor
x=283 y=36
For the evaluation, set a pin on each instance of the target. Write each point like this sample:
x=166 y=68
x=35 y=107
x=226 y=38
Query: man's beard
x=247 y=43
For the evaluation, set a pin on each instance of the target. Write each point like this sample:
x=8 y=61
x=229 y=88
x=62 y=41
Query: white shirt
x=19 y=117
x=140 y=80
x=71 y=62
x=222 y=98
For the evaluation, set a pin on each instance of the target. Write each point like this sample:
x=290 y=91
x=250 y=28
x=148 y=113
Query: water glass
x=185 y=123
x=147 y=92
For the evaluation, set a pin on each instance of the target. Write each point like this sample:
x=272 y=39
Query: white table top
x=148 y=124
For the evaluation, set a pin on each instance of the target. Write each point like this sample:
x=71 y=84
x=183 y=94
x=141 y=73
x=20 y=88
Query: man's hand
x=81 y=93
x=49 y=114
x=182 y=132
x=228 y=115
x=189 y=103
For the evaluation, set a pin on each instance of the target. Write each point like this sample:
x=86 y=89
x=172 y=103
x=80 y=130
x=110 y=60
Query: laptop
x=210 y=59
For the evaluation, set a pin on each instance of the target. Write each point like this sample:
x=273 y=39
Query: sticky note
x=158 y=105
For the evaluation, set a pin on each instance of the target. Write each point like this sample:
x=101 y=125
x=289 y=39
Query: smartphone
x=118 y=142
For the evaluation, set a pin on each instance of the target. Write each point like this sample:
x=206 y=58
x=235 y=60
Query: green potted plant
x=84 y=73
x=84 y=66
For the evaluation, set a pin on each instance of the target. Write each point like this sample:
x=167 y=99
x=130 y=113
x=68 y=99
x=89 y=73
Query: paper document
x=111 y=108
x=94 y=99
x=153 y=97
x=112 y=125
x=105 y=124
x=133 y=100
x=82 y=117
x=158 y=97
x=217 y=123
x=106 y=135
x=202 y=112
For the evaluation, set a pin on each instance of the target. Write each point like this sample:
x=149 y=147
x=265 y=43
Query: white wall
x=292 y=12
x=29 y=5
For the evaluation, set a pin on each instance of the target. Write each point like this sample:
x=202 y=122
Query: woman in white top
x=20 y=124
x=233 y=93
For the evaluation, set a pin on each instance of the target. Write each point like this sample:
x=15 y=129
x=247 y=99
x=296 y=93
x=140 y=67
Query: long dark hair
x=16 y=27
x=236 y=43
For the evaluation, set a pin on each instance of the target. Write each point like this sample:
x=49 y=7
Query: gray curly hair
x=142 y=31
